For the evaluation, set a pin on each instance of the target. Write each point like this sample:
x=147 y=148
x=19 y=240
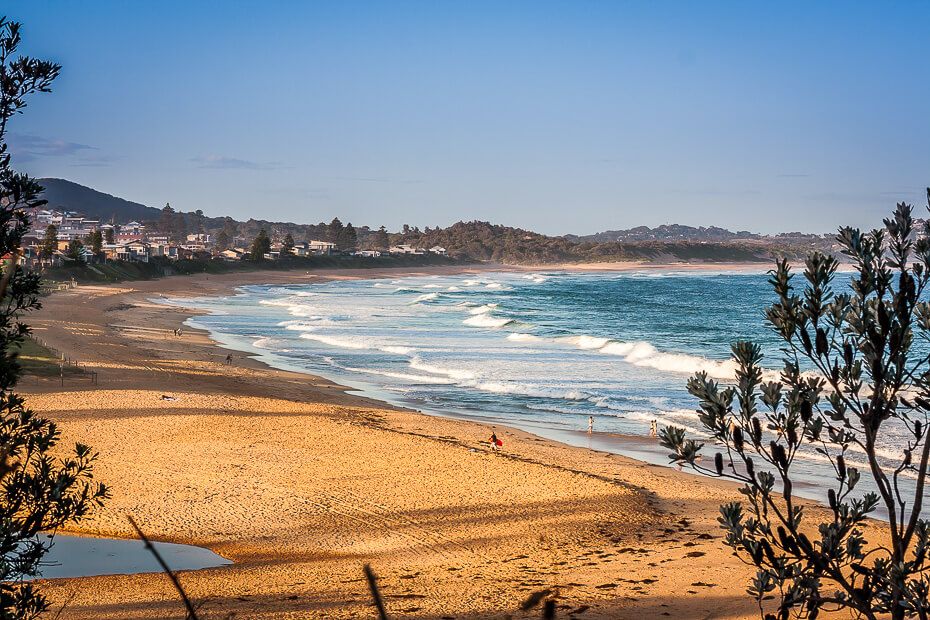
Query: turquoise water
x=541 y=351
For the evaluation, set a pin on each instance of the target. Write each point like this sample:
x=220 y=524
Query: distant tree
x=334 y=231
x=50 y=243
x=852 y=389
x=222 y=240
x=230 y=227
x=198 y=218
x=379 y=239
x=260 y=246
x=349 y=238
x=74 y=250
x=179 y=228
x=166 y=220
x=95 y=239
x=42 y=487
x=110 y=236
x=288 y=244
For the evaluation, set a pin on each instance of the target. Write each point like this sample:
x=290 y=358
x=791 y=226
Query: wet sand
x=300 y=484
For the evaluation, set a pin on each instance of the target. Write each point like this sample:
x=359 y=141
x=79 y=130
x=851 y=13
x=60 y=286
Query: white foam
x=644 y=354
x=517 y=337
x=585 y=342
x=426 y=297
x=484 y=320
x=398 y=350
x=482 y=309
x=334 y=341
x=453 y=373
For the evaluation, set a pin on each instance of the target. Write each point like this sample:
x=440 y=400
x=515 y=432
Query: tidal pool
x=86 y=556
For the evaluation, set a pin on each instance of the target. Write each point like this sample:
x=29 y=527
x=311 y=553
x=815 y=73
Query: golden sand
x=300 y=484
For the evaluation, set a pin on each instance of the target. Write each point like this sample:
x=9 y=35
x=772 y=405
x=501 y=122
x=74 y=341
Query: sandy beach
x=300 y=484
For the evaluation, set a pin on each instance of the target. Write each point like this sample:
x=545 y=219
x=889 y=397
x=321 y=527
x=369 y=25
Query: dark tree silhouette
x=50 y=243
x=38 y=493
x=850 y=374
x=260 y=246
x=288 y=245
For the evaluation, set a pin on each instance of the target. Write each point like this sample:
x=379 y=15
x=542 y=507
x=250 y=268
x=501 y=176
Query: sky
x=560 y=117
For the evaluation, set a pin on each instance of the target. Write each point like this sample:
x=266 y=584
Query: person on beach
x=590 y=424
x=495 y=442
x=654 y=428
x=229 y=359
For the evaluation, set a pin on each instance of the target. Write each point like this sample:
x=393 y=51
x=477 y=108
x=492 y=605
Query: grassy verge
x=39 y=360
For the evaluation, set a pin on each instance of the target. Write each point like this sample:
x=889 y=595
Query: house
x=368 y=253
x=201 y=239
x=405 y=249
x=321 y=247
x=233 y=254
x=133 y=251
x=438 y=249
x=133 y=231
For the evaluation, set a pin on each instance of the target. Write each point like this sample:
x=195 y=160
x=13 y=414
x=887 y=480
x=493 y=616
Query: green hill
x=68 y=196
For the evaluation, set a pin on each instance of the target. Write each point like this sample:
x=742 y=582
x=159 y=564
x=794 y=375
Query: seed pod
x=848 y=354
x=806 y=341
x=917 y=429
x=750 y=468
x=807 y=411
x=821 y=342
x=756 y=431
x=841 y=467
x=738 y=439
x=793 y=436
x=831 y=496
x=718 y=463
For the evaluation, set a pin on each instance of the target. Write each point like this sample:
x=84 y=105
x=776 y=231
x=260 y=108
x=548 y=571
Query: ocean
x=538 y=351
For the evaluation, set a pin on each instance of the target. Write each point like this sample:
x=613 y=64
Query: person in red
x=495 y=442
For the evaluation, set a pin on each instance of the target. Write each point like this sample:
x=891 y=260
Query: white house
x=405 y=249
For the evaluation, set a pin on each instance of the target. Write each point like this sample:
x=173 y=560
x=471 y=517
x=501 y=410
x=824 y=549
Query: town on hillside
x=61 y=237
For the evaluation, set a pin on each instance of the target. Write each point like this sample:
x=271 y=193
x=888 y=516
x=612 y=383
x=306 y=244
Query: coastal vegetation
x=850 y=371
x=468 y=241
x=39 y=493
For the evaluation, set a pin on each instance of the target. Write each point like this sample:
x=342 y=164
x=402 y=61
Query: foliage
x=74 y=250
x=95 y=239
x=50 y=243
x=38 y=493
x=288 y=244
x=864 y=377
x=260 y=246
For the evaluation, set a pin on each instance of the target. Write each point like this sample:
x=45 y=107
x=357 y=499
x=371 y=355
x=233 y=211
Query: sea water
x=540 y=351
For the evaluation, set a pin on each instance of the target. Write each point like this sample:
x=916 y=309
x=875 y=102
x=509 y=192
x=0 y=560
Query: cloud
x=220 y=162
x=27 y=147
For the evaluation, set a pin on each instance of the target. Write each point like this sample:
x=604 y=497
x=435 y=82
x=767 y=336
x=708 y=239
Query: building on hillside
x=309 y=248
x=438 y=249
x=202 y=239
x=405 y=249
x=368 y=253
x=233 y=254
x=133 y=231
x=132 y=251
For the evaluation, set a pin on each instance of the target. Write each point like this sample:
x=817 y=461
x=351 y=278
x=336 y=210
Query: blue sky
x=573 y=116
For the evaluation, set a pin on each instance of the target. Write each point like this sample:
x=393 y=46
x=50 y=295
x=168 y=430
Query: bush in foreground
x=850 y=373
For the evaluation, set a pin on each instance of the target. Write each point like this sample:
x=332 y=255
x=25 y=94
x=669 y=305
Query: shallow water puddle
x=80 y=556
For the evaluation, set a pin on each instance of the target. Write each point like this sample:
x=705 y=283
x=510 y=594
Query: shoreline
x=619 y=503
